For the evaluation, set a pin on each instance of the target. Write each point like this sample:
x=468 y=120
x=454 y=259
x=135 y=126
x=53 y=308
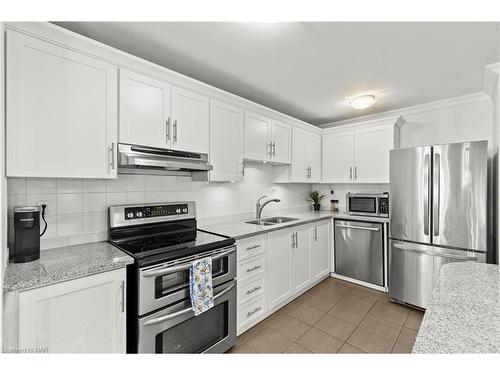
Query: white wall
x=77 y=209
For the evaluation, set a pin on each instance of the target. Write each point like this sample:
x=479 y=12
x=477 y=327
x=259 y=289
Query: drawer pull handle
x=253 y=290
x=254 y=311
x=253 y=269
x=253 y=247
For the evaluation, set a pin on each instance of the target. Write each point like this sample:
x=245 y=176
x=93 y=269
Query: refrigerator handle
x=436 y=193
x=426 y=193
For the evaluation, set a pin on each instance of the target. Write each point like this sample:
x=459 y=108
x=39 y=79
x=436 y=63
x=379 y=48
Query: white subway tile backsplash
x=117 y=185
x=14 y=200
x=113 y=199
x=41 y=185
x=95 y=222
x=169 y=183
x=135 y=197
x=94 y=186
x=69 y=224
x=135 y=183
x=69 y=203
x=69 y=186
x=50 y=243
x=51 y=231
x=16 y=186
x=168 y=196
x=49 y=199
x=94 y=202
x=153 y=196
x=152 y=183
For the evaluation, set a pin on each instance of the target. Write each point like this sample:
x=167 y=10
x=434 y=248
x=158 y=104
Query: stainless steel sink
x=272 y=220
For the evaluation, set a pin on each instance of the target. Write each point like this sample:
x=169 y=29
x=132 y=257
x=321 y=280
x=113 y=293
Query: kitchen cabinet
x=61 y=111
x=85 y=315
x=267 y=140
x=320 y=249
x=190 y=121
x=279 y=266
x=359 y=153
x=300 y=258
x=144 y=110
x=306 y=157
x=226 y=141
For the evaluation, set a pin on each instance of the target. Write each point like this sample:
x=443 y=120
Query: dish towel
x=200 y=285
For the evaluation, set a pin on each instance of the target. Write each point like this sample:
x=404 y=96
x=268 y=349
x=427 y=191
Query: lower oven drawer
x=251 y=288
x=251 y=312
x=251 y=267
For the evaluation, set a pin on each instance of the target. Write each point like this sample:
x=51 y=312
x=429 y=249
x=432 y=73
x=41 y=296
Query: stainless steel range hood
x=134 y=159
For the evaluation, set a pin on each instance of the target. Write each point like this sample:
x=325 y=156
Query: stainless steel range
x=163 y=239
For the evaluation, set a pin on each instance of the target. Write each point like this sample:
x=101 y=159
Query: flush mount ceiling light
x=362 y=102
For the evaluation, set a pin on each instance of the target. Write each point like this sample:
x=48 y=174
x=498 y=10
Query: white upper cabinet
x=190 y=120
x=359 y=153
x=226 y=141
x=266 y=139
x=306 y=157
x=61 y=111
x=338 y=157
x=314 y=157
x=144 y=110
x=257 y=146
x=280 y=139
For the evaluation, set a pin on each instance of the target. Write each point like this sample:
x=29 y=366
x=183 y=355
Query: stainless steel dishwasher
x=359 y=250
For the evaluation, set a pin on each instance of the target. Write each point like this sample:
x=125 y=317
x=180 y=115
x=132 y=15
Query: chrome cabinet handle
x=252 y=247
x=253 y=290
x=112 y=155
x=167 y=131
x=274 y=148
x=164 y=318
x=254 y=311
x=350 y=173
x=122 y=290
x=436 y=195
x=426 y=194
x=356 y=227
x=175 y=130
x=293 y=240
x=355 y=172
x=253 y=269
x=316 y=234
x=270 y=149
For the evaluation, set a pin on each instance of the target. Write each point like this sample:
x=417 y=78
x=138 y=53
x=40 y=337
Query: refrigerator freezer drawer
x=413 y=269
x=359 y=250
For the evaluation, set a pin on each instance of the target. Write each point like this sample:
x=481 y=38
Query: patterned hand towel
x=200 y=285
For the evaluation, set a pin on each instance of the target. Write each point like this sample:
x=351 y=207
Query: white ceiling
x=310 y=70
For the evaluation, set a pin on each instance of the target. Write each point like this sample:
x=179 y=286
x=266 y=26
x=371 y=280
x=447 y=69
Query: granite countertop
x=463 y=315
x=64 y=263
x=240 y=229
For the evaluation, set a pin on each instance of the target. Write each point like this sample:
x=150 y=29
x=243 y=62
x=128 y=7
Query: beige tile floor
x=335 y=317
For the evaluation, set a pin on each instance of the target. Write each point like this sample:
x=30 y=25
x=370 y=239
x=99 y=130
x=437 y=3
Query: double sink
x=272 y=220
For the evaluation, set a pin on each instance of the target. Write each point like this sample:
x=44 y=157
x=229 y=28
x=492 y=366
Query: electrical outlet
x=46 y=203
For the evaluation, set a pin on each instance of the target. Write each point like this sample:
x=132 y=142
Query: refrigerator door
x=409 y=198
x=459 y=195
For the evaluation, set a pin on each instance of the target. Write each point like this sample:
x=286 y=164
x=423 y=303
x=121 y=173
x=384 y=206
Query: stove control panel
x=155 y=211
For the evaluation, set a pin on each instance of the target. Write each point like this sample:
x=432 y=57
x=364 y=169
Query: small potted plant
x=315 y=198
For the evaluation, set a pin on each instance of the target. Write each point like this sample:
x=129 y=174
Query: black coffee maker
x=26 y=234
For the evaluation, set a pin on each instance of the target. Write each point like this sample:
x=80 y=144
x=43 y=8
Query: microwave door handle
x=184 y=266
x=174 y=315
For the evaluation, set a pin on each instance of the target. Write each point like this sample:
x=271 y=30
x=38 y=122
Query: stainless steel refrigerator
x=438 y=214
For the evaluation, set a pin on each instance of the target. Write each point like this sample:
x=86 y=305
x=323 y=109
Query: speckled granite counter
x=64 y=263
x=463 y=315
x=241 y=229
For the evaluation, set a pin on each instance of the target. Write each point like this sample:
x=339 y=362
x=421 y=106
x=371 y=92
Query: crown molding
x=491 y=78
x=420 y=108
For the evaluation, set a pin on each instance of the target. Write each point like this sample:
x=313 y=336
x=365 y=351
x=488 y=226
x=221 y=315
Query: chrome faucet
x=260 y=206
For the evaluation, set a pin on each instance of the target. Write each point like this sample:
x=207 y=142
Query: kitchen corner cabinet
x=85 y=315
x=61 y=111
x=226 y=141
x=359 y=153
x=266 y=139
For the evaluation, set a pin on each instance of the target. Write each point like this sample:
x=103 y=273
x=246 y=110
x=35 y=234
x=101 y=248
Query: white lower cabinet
x=275 y=268
x=85 y=315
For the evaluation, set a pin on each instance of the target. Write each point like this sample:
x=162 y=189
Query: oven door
x=167 y=283
x=363 y=205
x=176 y=329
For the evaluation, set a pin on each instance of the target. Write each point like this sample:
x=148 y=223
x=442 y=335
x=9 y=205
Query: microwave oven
x=368 y=204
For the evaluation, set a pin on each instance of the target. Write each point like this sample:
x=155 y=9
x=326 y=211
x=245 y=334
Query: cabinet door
x=190 y=116
x=144 y=110
x=226 y=141
x=278 y=263
x=301 y=259
x=85 y=315
x=61 y=111
x=256 y=136
x=313 y=148
x=338 y=157
x=299 y=167
x=371 y=160
x=320 y=249
x=281 y=136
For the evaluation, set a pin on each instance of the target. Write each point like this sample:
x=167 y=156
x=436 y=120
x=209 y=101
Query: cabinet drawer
x=251 y=267
x=251 y=288
x=251 y=312
x=248 y=247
